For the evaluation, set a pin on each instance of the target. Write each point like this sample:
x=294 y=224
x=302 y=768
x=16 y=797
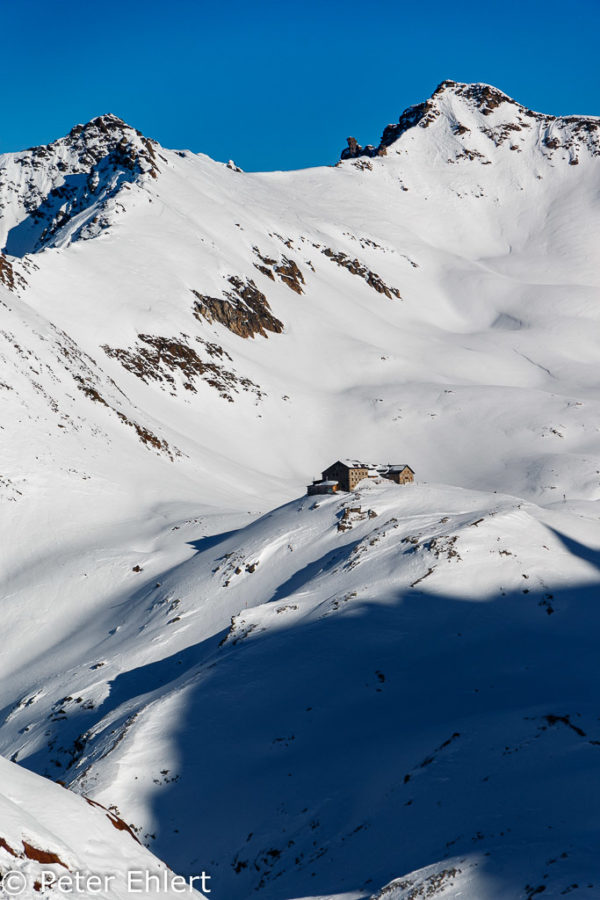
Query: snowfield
x=386 y=694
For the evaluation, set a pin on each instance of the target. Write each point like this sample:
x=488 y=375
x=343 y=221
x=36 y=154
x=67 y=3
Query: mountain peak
x=103 y=134
x=464 y=107
x=485 y=96
x=61 y=191
x=106 y=123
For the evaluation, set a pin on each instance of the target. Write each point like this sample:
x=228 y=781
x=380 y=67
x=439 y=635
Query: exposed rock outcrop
x=245 y=310
x=286 y=270
x=290 y=274
x=157 y=358
x=8 y=277
x=355 y=267
x=354 y=149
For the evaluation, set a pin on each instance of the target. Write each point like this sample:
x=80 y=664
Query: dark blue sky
x=276 y=84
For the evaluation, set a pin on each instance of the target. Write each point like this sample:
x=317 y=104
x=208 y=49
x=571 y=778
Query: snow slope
x=348 y=697
x=53 y=843
x=396 y=703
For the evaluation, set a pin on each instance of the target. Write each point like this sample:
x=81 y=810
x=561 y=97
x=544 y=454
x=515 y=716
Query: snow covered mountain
x=385 y=693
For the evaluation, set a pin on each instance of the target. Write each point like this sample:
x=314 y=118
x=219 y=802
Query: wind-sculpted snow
x=387 y=693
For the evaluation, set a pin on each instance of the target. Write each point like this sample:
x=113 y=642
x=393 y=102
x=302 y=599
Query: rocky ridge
x=65 y=191
x=505 y=119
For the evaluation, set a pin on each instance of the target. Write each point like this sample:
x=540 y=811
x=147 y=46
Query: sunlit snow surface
x=396 y=701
